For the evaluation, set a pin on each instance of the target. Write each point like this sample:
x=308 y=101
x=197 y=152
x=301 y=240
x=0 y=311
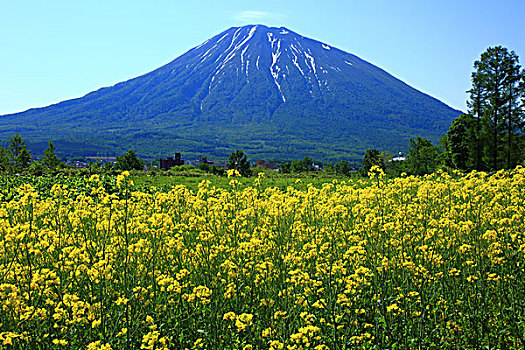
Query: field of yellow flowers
x=431 y=262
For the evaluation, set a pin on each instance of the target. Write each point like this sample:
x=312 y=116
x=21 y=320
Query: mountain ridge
x=267 y=90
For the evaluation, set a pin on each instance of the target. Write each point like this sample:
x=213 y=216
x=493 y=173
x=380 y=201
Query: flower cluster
x=417 y=262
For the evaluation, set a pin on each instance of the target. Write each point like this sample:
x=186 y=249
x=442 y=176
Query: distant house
x=171 y=162
x=400 y=158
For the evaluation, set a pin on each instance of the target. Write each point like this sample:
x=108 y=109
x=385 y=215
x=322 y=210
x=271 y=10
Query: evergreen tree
x=299 y=166
x=372 y=157
x=423 y=157
x=514 y=108
x=50 y=159
x=20 y=155
x=129 y=161
x=497 y=97
x=460 y=143
x=343 y=168
x=238 y=161
x=477 y=106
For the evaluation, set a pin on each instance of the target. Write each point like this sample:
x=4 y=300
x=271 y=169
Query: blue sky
x=56 y=50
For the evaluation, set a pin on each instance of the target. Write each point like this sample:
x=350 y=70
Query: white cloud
x=258 y=17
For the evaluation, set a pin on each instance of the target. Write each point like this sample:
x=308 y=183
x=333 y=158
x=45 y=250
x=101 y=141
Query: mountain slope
x=268 y=91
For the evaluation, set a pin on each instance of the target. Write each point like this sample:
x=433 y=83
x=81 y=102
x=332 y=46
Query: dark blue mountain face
x=268 y=91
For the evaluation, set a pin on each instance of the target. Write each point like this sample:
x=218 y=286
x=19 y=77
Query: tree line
x=16 y=157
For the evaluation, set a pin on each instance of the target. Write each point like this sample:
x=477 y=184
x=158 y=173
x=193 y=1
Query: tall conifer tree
x=497 y=96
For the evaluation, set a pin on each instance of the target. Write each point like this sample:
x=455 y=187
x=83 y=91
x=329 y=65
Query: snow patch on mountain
x=224 y=36
x=295 y=62
x=274 y=68
x=312 y=61
x=290 y=57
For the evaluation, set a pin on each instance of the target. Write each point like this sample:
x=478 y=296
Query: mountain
x=268 y=91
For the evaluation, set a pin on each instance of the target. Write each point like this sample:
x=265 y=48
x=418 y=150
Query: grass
x=192 y=180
